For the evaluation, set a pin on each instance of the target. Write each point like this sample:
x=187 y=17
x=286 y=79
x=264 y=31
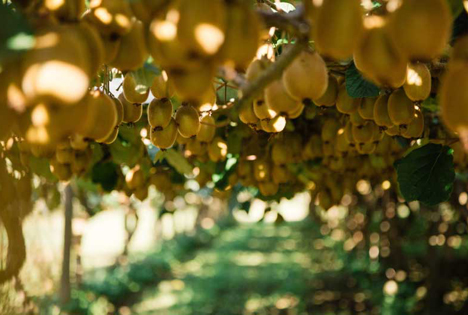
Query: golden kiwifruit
x=64 y=155
x=418 y=83
x=356 y=119
x=421 y=29
x=112 y=137
x=262 y=111
x=393 y=131
x=268 y=189
x=196 y=148
x=342 y=144
x=192 y=84
x=363 y=134
x=324 y=199
x=7 y=120
x=202 y=25
x=134 y=92
x=141 y=193
x=281 y=153
x=381 y=116
x=165 y=138
x=366 y=148
x=238 y=48
x=69 y=11
x=102 y=117
x=280 y=174
x=132 y=111
x=278 y=100
x=415 y=128
x=400 y=108
x=218 y=149
x=56 y=68
x=298 y=112
x=274 y=125
x=111 y=17
x=262 y=170
x=366 y=108
x=306 y=78
x=161 y=180
x=378 y=133
x=207 y=101
x=348 y=132
x=181 y=140
x=460 y=50
x=63 y=172
x=78 y=142
x=313 y=148
x=120 y=110
x=346 y=104
x=329 y=129
x=160 y=113
x=135 y=178
x=453 y=96
x=95 y=45
x=338 y=25
x=256 y=68
x=329 y=98
x=145 y=10
x=162 y=86
x=188 y=121
x=247 y=114
x=377 y=56
x=132 y=52
x=207 y=129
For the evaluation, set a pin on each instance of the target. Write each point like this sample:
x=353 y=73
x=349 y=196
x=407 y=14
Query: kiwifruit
x=181 y=140
x=278 y=100
x=281 y=153
x=135 y=178
x=346 y=104
x=69 y=10
x=363 y=134
x=268 y=188
x=102 y=117
x=453 y=96
x=381 y=115
x=132 y=111
x=57 y=62
x=207 y=101
x=280 y=174
x=418 y=82
x=262 y=111
x=191 y=84
x=207 y=129
x=378 y=57
x=141 y=193
x=274 y=125
x=160 y=113
x=78 y=142
x=366 y=148
x=218 y=149
x=366 y=108
x=460 y=50
x=62 y=171
x=356 y=119
x=134 y=92
x=238 y=48
x=7 y=120
x=95 y=46
x=165 y=138
x=378 y=133
x=342 y=144
x=329 y=98
x=313 y=148
x=329 y=129
x=306 y=78
x=298 y=112
x=247 y=114
x=201 y=25
x=162 y=86
x=393 y=131
x=161 y=180
x=111 y=17
x=145 y=10
x=132 y=52
x=338 y=25
x=188 y=121
x=421 y=29
x=196 y=148
x=112 y=137
x=348 y=132
x=120 y=110
x=415 y=128
x=81 y=162
x=400 y=108
x=261 y=170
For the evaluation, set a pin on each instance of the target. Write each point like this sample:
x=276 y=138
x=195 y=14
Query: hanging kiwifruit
x=207 y=129
x=95 y=46
x=306 y=78
x=188 y=121
x=337 y=27
x=132 y=111
x=329 y=129
x=165 y=138
x=329 y=98
x=381 y=116
x=247 y=114
x=415 y=128
x=68 y=11
x=278 y=100
x=160 y=113
x=281 y=153
x=363 y=134
x=262 y=111
x=192 y=84
x=111 y=17
x=134 y=92
x=146 y=10
x=268 y=188
x=418 y=82
x=346 y=104
x=274 y=125
x=366 y=108
x=218 y=150
x=378 y=57
x=421 y=29
x=400 y=108
x=356 y=119
x=162 y=86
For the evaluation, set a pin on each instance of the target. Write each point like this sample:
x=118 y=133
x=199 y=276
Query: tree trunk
x=65 y=289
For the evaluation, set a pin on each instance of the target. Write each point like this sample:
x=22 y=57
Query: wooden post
x=65 y=288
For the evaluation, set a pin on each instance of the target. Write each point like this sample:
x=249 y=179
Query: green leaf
x=357 y=86
x=456 y=6
x=225 y=95
x=144 y=78
x=178 y=162
x=431 y=105
x=427 y=174
x=41 y=167
x=15 y=35
x=106 y=174
x=222 y=181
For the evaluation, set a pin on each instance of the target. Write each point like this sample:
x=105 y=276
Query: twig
x=293 y=22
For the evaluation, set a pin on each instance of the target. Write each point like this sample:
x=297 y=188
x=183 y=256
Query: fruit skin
x=119 y=12
x=218 y=149
x=145 y=10
x=162 y=86
x=400 y=108
x=356 y=119
x=418 y=83
x=381 y=115
x=247 y=114
x=278 y=100
x=453 y=98
x=207 y=129
x=460 y=50
x=192 y=84
x=329 y=98
x=132 y=92
x=329 y=129
x=346 y=104
x=188 y=121
x=421 y=29
x=363 y=134
x=274 y=125
x=132 y=111
x=166 y=137
x=268 y=188
x=281 y=153
x=415 y=128
x=160 y=113
x=366 y=108
x=95 y=46
x=132 y=52
x=69 y=10
x=262 y=111
x=338 y=25
x=306 y=78
x=378 y=57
